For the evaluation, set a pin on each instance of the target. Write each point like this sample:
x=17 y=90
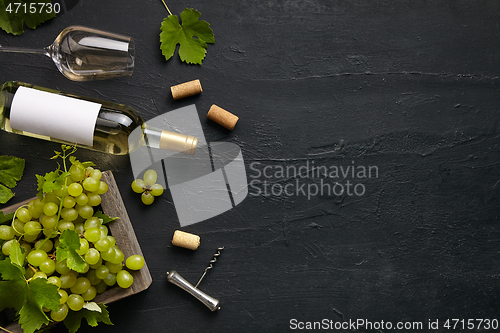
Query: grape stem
x=166 y=7
x=63 y=156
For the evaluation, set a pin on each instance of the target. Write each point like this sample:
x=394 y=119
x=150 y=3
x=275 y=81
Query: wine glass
x=84 y=54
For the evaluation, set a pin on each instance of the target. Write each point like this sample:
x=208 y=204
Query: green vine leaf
x=11 y=171
x=192 y=36
x=15 y=13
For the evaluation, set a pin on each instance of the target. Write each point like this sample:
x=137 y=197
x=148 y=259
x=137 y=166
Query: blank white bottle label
x=60 y=117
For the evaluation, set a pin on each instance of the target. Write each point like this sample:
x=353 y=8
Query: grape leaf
x=6 y=219
x=40 y=294
x=69 y=243
x=28 y=299
x=11 y=171
x=74 y=318
x=103 y=217
x=13 y=22
x=73 y=160
x=50 y=182
x=192 y=36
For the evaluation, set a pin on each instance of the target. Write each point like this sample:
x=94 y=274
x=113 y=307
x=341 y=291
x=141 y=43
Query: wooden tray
x=122 y=231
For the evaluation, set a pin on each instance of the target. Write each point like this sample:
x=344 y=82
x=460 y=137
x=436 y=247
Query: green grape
x=102 y=271
x=55 y=281
x=49 y=222
x=64 y=225
x=104 y=228
x=147 y=198
x=68 y=280
x=84 y=247
x=77 y=173
x=60 y=314
x=104 y=234
x=38 y=204
x=118 y=257
x=62 y=268
x=6 y=232
x=39 y=275
x=93 y=278
x=103 y=244
x=92 y=222
x=124 y=279
x=114 y=268
x=97 y=264
x=75 y=190
x=50 y=209
x=103 y=188
x=110 y=280
x=36 y=257
x=59 y=192
x=79 y=228
x=48 y=266
x=85 y=211
x=64 y=296
x=23 y=214
x=112 y=240
x=101 y=287
x=156 y=190
x=90 y=294
x=94 y=199
x=50 y=197
x=30 y=238
x=33 y=211
x=86 y=268
x=26 y=247
x=92 y=234
x=75 y=302
x=92 y=256
x=134 y=262
x=6 y=246
x=50 y=233
x=69 y=214
x=91 y=184
x=150 y=177
x=28 y=274
x=17 y=227
x=32 y=228
x=106 y=255
x=96 y=174
x=82 y=199
x=44 y=245
x=138 y=186
x=69 y=202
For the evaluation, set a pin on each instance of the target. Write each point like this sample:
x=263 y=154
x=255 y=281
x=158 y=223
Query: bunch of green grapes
x=148 y=187
x=36 y=228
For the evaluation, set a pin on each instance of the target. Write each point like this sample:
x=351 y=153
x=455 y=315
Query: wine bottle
x=90 y=123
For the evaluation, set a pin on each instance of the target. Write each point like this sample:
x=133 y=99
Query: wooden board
x=121 y=229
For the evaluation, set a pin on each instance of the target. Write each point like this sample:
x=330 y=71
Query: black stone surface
x=410 y=88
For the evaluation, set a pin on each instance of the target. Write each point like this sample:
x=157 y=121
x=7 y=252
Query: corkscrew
x=175 y=278
x=210 y=265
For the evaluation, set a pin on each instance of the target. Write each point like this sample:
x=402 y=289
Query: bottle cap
x=178 y=142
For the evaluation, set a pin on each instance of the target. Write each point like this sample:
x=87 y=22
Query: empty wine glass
x=84 y=54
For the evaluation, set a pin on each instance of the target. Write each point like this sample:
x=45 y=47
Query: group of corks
x=216 y=113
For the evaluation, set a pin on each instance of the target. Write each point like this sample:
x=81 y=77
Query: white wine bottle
x=90 y=123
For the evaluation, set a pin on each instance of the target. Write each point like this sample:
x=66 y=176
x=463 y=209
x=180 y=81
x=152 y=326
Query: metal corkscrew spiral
x=210 y=265
x=175 y=278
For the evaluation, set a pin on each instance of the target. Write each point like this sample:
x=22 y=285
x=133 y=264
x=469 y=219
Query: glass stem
x=46 y=51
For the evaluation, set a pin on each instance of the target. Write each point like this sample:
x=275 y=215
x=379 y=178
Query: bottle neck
x=162 y=139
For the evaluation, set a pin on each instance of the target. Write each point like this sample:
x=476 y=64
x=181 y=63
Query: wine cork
x=186 y=240
x=222 y=117
x=186 y=89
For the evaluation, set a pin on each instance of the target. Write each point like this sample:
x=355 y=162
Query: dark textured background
x=411 y=87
